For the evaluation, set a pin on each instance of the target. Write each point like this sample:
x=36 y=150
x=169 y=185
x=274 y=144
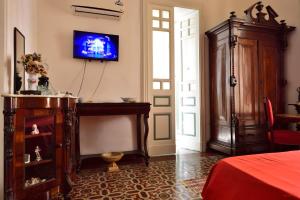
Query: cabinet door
x=247 y=90
x=269 y=62
x=37 y=154
x=220 y=91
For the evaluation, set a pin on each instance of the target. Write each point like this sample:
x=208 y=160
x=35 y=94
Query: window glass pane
x=161 y=55
x=166 y=86
x=165 y=25
x=166 y=14
x=155 y=23
x=156 y=85
x=155 y=13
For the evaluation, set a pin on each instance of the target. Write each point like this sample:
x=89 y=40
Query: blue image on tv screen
x=96 y=46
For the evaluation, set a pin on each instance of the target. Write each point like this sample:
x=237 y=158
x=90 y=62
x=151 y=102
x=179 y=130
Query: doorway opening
x=172 y=80
x=187 y=83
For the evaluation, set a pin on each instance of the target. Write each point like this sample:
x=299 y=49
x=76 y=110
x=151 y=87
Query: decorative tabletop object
x=128 y=99
x=37 y=153
x=34 y=181
x=297 y=104
x=43 y=85
x=35 y=130
x=33 y=66
x=112 y=158
x=26 y=158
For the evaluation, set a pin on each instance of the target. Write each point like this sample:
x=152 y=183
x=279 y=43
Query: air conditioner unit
x=98 y=8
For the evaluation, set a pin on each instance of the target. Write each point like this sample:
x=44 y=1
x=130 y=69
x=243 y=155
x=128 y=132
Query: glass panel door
x=39 y=148
x=187 y=79
x=161 y=80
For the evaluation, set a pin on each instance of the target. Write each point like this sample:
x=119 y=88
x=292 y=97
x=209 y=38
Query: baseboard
x=160 y=150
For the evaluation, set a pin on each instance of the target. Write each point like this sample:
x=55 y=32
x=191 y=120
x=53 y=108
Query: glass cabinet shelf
x=38 y=135
x=34 y=163
x=40 y=184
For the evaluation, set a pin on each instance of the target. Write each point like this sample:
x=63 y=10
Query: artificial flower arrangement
x=33 y=64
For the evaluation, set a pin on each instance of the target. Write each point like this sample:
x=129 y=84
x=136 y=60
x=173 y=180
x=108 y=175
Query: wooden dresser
x=246 y=63
x=38 y=163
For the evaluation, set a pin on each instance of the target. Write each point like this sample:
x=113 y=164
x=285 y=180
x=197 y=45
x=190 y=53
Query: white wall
x=121 y=79
x=21 y=14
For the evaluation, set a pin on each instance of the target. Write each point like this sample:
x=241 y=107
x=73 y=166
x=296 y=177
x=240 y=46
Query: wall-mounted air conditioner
x=98 y=8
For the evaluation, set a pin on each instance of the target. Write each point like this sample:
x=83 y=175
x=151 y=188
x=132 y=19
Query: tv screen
x=95 y=46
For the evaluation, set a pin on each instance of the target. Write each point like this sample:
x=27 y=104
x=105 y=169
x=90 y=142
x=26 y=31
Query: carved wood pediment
x=268 y=18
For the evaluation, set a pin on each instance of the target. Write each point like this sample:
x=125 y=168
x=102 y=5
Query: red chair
x=278 y=136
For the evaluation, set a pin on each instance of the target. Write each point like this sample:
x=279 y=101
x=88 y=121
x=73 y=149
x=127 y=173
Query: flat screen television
x=95 y=46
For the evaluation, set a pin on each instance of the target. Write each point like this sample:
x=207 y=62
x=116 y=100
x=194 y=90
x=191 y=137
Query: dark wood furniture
x=98 y=109
x=55 y=119
x=246 y=62
x=288 y=118
x=281 y=136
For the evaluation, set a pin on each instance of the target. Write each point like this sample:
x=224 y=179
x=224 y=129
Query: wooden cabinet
x=246 y=62
x=39 y=157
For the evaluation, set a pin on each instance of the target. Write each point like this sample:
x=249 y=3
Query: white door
x=161 y=88
x=187 y=78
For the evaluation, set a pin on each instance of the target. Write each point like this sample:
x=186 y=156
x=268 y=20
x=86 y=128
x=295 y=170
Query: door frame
x=203 y=69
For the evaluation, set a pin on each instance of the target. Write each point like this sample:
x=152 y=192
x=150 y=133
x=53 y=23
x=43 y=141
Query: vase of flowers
x=34 y=67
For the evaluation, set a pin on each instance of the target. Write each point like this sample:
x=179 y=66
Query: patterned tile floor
x=180 y=177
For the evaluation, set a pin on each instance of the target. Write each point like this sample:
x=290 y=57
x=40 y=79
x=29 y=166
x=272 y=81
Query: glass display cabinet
x=39 y=155
x=39 y=150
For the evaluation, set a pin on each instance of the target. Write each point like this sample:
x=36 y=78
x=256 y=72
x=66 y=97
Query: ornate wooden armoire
x=246 y=63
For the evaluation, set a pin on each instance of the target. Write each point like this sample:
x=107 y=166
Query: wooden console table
x=102 y=109
x=289 y=118
x=284 y=119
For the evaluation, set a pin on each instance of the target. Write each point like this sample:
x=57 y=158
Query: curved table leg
x=146 y=116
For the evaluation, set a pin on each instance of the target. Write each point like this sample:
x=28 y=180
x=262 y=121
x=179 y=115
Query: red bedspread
x=271 y=176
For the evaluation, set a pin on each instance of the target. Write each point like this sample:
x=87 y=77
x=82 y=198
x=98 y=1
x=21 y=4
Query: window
x=161 y=49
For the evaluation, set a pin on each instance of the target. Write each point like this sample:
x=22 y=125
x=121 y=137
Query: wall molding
x=155 y=138
x=161 y=97
x=195 y=124
x=193 y=104
x=159 y=150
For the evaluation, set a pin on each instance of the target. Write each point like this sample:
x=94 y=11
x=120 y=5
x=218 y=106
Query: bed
x=274 y=176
